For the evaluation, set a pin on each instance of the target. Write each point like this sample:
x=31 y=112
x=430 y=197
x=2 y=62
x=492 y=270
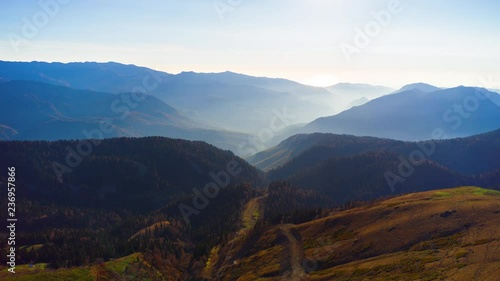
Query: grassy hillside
x=449 y=234
x=132 y=267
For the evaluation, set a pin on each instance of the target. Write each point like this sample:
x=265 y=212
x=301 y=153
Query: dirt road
x=296 y=254
x=250 y=215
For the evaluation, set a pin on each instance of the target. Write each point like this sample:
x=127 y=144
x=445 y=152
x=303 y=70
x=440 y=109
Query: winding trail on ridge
x=296 y=254
x=248 y=220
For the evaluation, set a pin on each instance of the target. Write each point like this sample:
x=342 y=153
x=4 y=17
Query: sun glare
x=322 y=80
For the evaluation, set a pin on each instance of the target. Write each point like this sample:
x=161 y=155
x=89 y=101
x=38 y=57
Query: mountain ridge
x=414 y=115
x=318 y=147
x=424 y=87
x=223 y=99
x=39 y=111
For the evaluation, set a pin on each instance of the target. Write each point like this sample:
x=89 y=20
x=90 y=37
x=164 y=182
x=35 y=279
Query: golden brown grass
x=451 y=234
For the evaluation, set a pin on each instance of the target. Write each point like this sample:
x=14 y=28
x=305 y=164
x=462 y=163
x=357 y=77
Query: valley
x=258 y=225
x=232 y=140
x=225 y=176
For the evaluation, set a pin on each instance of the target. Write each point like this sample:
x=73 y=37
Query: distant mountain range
x=38 y=111
x=355 y=94
x=415 y=114
x=246 y=114
x=125 y=173
x=226 y=100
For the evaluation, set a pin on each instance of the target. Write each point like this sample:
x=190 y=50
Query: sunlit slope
x=132 y=267
x=450 y=234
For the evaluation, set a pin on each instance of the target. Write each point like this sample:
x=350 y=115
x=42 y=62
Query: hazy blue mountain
x=38 y=111
x=247 y=107
x=108 y=77
x=423 y=87
x=228 y=100
x=358 y=90
x=417 y=115
x=348 y=95
x=358 y=102
x=232 y=78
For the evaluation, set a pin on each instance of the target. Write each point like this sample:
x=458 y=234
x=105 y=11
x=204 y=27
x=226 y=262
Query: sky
x=316 y=42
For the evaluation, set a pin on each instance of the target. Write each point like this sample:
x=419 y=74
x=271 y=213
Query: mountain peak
x=424 y=87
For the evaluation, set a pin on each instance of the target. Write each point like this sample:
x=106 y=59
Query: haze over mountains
x=226 y=99
x=120 y=182
x=417 y=115
x=426 y=88
x=355 y=94
x=229 y=140
x=233 y=111
x=39 y=111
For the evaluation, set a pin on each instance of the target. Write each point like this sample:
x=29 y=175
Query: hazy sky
x=446 y=43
